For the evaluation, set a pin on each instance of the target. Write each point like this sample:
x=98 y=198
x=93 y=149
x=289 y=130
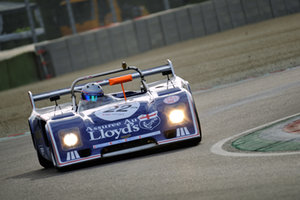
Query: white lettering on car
x=101 y=132
x=116 y=112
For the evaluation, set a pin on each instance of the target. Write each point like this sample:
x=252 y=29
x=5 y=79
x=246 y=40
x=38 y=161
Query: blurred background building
x=39 y=20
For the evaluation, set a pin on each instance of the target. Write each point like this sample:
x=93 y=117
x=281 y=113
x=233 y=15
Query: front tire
x=44 y=162
x=199 y=126
x=196 y=141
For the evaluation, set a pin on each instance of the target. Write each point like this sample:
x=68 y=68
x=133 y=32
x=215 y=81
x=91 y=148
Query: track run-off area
x=237 y=103
x=198 y=172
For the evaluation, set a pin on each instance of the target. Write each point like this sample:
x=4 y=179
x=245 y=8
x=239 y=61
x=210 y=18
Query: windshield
x=86 y=105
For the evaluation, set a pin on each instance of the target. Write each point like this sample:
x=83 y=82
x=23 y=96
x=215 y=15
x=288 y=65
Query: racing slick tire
x=54 y=163
x=196 y=141
x=44 y=162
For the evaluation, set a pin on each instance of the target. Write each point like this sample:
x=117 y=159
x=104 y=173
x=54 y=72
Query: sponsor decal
x=149 y=121
x=72 y=155
x=114 y=130
x=182 y=132
x=116 y=112
x=171 y=99
x=124 y=129
x=97 y=146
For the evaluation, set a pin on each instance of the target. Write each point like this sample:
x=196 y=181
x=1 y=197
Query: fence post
x=31 y=21
x=71 y=16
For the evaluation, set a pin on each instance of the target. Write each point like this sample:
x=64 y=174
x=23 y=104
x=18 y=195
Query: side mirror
x=121 y=80
x=54 y=98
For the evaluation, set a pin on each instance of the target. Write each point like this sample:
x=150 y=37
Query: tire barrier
x=129 y=38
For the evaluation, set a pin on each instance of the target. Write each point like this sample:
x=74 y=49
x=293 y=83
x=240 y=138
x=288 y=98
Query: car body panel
x=140 y=122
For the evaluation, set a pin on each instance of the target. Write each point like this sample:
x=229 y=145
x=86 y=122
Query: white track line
x=14 y=137
x=217 y=148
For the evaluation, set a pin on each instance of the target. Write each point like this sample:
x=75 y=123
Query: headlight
x=70 y=138
x=176 y=116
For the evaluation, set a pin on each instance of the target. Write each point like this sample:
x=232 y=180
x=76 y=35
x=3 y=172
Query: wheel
x=199 y=126
x=197 y=140
x=54 y=163
x=44 y=162
x=194 y=141
x=53 y=159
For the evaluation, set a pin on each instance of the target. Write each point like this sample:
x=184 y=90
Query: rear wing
x=164 y=69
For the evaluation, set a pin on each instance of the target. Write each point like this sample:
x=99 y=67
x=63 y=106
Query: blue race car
x=102 y=125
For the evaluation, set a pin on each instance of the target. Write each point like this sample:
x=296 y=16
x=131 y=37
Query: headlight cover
x=176 y=116
x=70 y=138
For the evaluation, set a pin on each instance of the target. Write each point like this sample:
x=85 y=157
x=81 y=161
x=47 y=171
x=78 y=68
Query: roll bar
x=125 y=68
x=139 y=74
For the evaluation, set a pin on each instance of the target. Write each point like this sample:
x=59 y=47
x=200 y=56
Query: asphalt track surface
x=181 y=172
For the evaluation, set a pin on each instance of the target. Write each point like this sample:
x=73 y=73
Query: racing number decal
x=118 y=111
x=123 y=108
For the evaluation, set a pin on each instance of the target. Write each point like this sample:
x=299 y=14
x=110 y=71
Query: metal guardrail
x=20 y=36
